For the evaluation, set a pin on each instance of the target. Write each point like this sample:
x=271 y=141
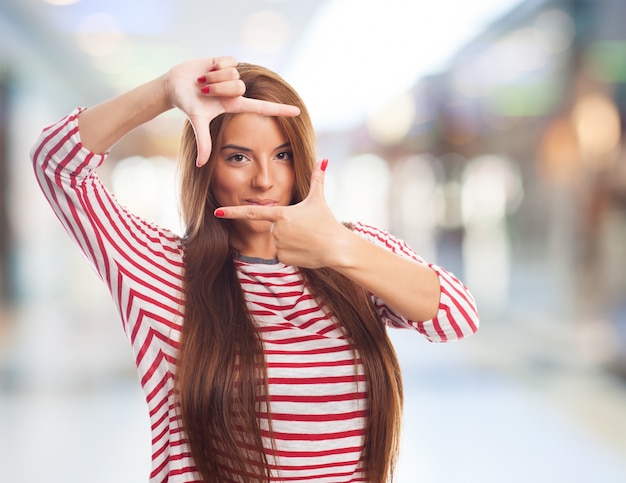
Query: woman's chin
x=252 y=227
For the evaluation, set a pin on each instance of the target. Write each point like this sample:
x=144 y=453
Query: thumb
x=317 y=180
x=203 y=140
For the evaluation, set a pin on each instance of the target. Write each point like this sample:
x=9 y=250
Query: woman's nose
x=262 y=178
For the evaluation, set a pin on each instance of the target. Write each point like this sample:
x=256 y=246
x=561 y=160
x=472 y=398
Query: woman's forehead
x=251 y=126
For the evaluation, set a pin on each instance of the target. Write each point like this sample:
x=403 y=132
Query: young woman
x=260 y=335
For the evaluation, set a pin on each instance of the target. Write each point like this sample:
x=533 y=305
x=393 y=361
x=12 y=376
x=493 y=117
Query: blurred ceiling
x=341 y=55
x=123 y=42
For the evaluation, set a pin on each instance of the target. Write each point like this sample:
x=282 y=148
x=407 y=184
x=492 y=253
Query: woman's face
x=254 y=166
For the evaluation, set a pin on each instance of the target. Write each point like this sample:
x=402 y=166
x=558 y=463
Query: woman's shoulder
x=368 y=231
x=381 y=237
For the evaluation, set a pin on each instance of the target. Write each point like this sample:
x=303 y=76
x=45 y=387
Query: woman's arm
x=102 y=125
x=456 y=316
x=408 y=287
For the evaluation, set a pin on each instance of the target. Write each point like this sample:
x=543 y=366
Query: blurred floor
x=505 y=406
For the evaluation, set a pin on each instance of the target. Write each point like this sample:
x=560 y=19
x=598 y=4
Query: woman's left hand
x=306 y=234
x=205 y=88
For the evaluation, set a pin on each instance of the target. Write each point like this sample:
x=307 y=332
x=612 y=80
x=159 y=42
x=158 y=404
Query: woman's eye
x=285 y=156
x=236 y=158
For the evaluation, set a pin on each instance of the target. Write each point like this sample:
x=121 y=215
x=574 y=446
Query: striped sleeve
x=142 y=266
x=140 y=263
x=457 y=316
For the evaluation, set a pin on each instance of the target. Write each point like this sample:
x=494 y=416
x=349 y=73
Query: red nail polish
x=219 y=213
x=213 y=69
x=324 y=165
x=205 y=89
x=201 y=79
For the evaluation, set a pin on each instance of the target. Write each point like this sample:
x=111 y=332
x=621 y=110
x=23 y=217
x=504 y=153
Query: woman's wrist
x=165 y=91
x=344 y=249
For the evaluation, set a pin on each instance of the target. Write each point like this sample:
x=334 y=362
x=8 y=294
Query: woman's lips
x=261 y=202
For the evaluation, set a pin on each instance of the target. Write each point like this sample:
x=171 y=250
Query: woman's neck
x=258 y=245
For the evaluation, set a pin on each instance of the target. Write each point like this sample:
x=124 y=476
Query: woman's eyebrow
x=235 y=147
x=243 y=148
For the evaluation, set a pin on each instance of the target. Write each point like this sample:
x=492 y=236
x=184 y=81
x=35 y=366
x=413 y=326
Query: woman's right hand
x=205 y=88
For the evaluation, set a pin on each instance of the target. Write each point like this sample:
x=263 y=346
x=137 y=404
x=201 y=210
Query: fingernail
x=202 y=79
x=205 y=89
x=213 y=69
x=219 y=213
x=324 y=164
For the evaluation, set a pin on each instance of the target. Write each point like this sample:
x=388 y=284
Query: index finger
x=266 y=108
x=249 y=212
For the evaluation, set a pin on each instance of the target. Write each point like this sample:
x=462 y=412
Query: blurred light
x=61 y=3
x=100 y=34
x=423 y=105
x=598 y=341
x=132 y=65
x=514 y=75
x=497 y=121
x=331 y=188
x=267 y=31
x=597 y=125
x=452 y=214
x=608 y=60
x=492 y=188
x=138 y=17
x=391 y=123
x=355 y=47
x=559 y=152
x=128 y=174
x=487 y=266
x=147 y=188
x=365 y=182
x=418 y=203
x=518 y=56
x=519 y=100
x=116 y=63
x=460 y=122
x=471 y=78
x=523 y=51
x=557 y=28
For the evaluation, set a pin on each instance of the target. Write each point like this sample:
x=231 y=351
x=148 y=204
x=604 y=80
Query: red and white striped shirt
x=317 y=409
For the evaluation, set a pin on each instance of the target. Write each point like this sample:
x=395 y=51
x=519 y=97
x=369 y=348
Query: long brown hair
x=221 y=359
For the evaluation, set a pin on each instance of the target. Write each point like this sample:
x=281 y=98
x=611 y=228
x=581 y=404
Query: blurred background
x=489 y=134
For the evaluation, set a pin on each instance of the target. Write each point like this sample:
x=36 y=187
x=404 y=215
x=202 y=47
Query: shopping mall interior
x=487 y=134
